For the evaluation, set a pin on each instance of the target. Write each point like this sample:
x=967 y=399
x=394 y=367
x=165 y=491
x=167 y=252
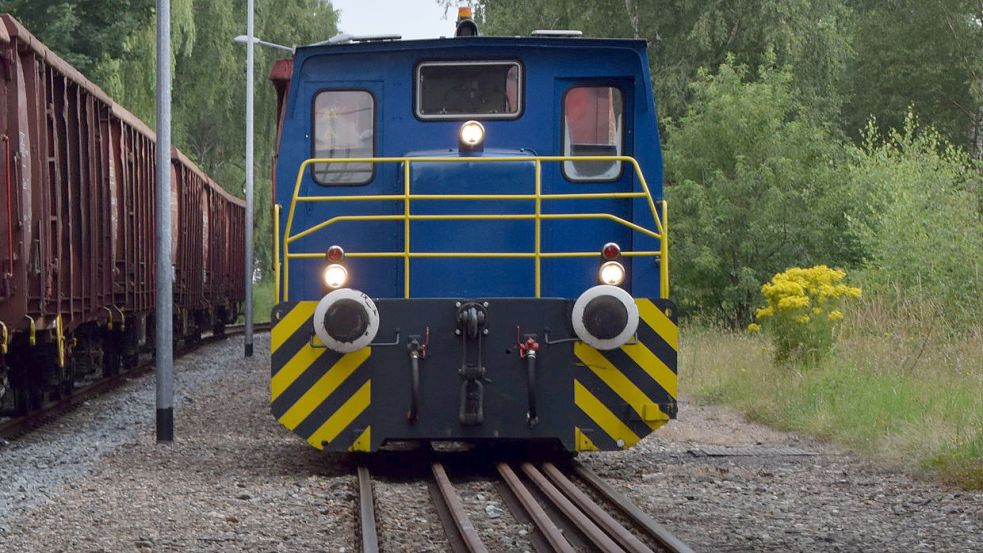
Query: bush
x=803 y=309
x=918 y=218
x=755 y=186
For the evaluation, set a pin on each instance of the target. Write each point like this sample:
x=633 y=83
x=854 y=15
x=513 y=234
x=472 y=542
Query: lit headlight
x=612 y=273
x=472 y=134
x=335 y=276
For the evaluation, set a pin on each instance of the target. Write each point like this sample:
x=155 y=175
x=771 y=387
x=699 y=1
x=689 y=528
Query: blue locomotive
x=471 y=243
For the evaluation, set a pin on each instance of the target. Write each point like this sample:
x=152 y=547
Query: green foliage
x=912 y=52
x=685 y=35
x=92 y=35
x=920 y=219
x=754 y=190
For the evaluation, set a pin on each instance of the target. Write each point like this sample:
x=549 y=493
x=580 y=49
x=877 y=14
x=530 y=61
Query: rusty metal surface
x=602 y=518
x=535 y=511
x=459 y=517
x=655 y=530
x=77 y=202
x=601 y=541
x=370 y=537
x=17 y=32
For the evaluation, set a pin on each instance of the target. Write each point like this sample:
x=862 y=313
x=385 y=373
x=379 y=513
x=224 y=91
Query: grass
x=263 y=300
x=898 y=387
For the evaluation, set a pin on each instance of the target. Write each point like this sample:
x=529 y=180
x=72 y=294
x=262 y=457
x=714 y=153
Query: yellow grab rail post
x=539 y=213
x=659 y=216
x=276 y=253
x=664 y=253
x=406 y=231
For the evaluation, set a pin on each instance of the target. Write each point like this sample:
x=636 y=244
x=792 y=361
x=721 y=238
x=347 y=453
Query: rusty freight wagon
x=77 y=258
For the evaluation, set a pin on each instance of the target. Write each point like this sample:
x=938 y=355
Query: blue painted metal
x=550 y=68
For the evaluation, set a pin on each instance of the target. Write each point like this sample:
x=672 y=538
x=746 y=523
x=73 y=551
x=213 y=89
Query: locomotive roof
x=482 y=42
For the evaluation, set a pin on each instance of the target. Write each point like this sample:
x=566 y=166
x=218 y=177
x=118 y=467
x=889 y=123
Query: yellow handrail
x=276 y=252
x=660 y=217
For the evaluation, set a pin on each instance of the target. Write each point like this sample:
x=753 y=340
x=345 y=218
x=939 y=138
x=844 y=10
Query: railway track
x=14 y=427
x=554 y=498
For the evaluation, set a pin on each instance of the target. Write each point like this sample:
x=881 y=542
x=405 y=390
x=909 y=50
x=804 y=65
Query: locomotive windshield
x=343 y=128
x=452 y=90
x=592 y=127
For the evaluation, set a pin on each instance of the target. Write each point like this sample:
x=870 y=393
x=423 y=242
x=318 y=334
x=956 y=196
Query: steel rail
x=459 y=519
x=592 y=531
x=370 y=537
x=510 y=500
x=658 y=532
x=602 y=518
x=535 y=511
x=23 y=424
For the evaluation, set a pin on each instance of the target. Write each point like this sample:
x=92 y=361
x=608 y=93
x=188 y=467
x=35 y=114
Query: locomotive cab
x=471 y=244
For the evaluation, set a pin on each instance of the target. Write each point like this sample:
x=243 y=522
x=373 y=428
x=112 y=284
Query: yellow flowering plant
x=803 y=307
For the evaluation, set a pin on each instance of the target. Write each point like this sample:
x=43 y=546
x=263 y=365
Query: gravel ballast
x=95 y=480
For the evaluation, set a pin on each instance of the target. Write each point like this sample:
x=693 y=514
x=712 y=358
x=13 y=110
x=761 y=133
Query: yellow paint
x=664 y=249
x=658 y=217
x=582 y=442
x=60 y=336
x=291 y=324
x=324 y=387
x=477 y=255
x=652 y=412
x=616 y=380
x=364 y=441
x=539 y=224
x=32 y=336
x=343 y=417
x=406 y=230
x=469 y=217
x=602 y=416
x=287 y=374
x=276 y=253
x=655 y=318
x=654 y=366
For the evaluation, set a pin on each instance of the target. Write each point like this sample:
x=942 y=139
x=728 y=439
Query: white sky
x=409 y=18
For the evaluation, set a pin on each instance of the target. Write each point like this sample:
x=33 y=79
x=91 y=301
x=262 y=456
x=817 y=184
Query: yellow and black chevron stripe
x=624 y=394
x=318 y=394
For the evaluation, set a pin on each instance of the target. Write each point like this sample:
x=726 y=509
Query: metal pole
x=250 y=31
x=164 y=324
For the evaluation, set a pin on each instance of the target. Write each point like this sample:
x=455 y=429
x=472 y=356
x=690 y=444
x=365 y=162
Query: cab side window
x=344 y=125
x=592 y=126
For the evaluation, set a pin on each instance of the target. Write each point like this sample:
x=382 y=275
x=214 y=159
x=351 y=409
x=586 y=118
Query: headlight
x=472 y=135
x=335 y=276
x=612 y=273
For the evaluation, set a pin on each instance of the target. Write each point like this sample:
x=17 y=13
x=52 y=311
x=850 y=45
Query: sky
x=409 y=18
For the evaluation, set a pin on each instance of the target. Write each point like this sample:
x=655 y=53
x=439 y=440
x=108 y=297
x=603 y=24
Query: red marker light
x=611 y=250
x=335 y=254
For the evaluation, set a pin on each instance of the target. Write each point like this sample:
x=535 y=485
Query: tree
x=685 y=35
x=90 y=34
x=755 y=191
x=918 y=218
x=926 y=54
